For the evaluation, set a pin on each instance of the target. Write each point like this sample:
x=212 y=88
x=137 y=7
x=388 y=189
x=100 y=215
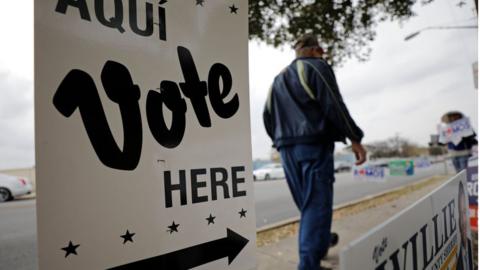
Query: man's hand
x=360 y=153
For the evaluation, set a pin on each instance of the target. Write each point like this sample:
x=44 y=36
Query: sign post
x=142 y=127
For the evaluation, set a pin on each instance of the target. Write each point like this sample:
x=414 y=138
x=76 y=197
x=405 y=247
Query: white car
x=341 y=166
x=269 y=171
x=12 y=186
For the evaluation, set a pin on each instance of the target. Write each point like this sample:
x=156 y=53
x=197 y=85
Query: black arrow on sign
x=191 y=257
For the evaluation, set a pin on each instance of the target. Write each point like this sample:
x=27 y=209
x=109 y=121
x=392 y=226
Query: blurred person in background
x=461 y=152
x=304 y=116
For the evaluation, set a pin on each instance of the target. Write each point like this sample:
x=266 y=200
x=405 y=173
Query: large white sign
x=432 y=234
x=143 y=149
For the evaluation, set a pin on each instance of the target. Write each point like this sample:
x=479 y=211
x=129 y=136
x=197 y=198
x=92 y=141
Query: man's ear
x=320 y=51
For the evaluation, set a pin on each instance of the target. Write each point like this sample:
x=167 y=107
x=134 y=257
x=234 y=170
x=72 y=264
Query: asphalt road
x=273 y=202
x=18 y=235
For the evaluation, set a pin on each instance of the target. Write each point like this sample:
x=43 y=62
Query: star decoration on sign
x=127 y=237
x=233 y=9
x=210 y=219
x=243 y=213
x=200 y=2
x=173 y=228
x=70 y=249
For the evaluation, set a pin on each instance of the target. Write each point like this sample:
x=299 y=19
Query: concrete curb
x=30 y=196
x=293 y=220
x=278 y=224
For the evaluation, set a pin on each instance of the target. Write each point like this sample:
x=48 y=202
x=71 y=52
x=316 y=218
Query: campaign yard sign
x=143 y=135
x=401 y=167
x=369 y=173
x=454 y=132
x=433 y=233
x=422 y=163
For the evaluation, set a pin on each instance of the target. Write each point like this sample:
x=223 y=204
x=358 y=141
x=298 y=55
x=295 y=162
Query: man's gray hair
x=307 y=40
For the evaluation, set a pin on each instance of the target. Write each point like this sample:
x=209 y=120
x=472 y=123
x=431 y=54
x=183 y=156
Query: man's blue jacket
x=304 y=106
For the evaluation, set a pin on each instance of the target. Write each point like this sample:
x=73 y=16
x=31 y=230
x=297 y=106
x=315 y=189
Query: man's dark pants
x=310 y=176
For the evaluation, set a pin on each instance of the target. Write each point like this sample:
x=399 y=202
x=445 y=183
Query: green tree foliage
x=345 y=27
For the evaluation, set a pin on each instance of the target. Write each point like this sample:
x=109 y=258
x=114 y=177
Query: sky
x=403 y=89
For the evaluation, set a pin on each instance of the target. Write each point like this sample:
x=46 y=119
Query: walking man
x=304 y=116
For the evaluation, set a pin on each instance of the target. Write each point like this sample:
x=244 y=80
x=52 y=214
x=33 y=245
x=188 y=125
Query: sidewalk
x=350 y=222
